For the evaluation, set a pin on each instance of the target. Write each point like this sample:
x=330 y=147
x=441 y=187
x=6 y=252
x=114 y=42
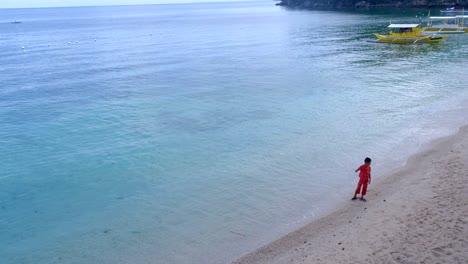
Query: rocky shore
x=338 y=4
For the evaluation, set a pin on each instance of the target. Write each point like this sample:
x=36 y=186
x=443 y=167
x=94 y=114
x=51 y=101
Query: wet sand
x=418 y=214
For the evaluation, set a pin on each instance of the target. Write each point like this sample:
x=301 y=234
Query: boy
x=364 y=179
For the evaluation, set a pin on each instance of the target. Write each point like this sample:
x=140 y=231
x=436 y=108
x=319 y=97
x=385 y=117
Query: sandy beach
x=418 y=214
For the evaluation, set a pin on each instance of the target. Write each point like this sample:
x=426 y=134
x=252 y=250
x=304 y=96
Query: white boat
x=452 y=11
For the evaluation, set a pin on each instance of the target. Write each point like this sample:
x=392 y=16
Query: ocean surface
x=194 y=133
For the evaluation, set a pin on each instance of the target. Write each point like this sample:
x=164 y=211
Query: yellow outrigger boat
x=457 y=27
x=408 y=34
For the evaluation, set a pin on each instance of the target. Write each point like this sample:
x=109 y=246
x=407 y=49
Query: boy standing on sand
x=364 y=179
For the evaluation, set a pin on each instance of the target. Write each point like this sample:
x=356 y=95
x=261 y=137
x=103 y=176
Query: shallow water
x=194 y=133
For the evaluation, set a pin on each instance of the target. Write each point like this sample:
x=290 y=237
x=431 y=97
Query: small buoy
x=94 y=40
x=76 y=41
x=50 y=44
x=151 y=34
x=69 y=43
x=22 y=47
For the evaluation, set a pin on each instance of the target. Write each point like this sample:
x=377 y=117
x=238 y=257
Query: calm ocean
x=194 y=133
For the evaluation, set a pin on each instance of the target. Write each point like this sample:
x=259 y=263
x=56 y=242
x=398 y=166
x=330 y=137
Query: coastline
x=417 y=214
x=307 y=4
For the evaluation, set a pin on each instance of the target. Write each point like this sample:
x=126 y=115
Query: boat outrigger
x=408 y=34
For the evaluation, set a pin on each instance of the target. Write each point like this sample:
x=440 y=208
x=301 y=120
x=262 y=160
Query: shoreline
x=416 y=214
x=307 y=4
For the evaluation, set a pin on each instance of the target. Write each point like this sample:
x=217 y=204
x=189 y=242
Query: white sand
x=418 y=214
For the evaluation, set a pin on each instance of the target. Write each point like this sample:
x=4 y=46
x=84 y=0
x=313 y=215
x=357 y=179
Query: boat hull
x=409 y=39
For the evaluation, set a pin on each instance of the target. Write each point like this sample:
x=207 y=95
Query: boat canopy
x=442 y=17
x=403 y=25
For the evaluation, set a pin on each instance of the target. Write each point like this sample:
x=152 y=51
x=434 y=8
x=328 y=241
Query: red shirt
x=364 y=171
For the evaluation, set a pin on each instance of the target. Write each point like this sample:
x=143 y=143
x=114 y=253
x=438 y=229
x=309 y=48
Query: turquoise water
x=195 y=133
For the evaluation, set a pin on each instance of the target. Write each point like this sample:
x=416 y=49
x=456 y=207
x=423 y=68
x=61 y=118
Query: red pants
x=362 y=183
